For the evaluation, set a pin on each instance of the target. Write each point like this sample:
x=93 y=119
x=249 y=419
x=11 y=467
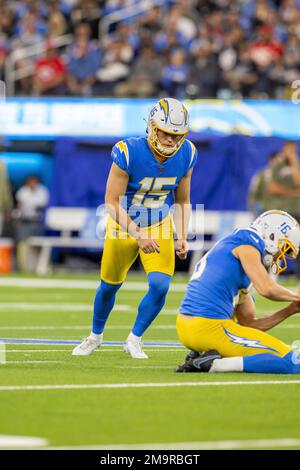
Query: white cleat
x=135 y=349
x=87 y=346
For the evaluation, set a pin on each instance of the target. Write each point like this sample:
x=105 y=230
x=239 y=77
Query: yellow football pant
x=121 y=250
x=227 y=337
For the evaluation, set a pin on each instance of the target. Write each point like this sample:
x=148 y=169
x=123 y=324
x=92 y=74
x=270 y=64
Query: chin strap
x=157 y=147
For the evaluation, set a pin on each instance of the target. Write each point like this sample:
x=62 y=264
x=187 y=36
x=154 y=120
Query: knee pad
x=159 y=283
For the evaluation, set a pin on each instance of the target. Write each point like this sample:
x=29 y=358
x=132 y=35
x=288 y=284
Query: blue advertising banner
x=220 y=180
x=54 y=117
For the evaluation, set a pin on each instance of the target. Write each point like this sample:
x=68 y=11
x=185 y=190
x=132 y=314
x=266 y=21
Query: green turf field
x=109 y=400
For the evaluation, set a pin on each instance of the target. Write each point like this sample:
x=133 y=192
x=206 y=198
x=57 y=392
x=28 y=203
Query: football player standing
x=146 y=176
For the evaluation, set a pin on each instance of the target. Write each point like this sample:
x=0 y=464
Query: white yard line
x=37 y=296
x=33 y=328
x=169 y=311
x=146 y=385
x=21 y=442
x=77 y=284
x=33 y=362
x=41 y=307
x=102 y=349
x=291 y=326
x=81 y=327
x=143 y=367
x=109 y=327
x=195 y=445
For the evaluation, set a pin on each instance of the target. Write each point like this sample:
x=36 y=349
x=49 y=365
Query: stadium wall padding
x=220 y=180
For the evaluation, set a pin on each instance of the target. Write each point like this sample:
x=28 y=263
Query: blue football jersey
x=214 y=289
x=149 y=194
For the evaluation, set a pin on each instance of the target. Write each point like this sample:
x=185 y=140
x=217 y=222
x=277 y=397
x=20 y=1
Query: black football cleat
x=187 y=361
x=192 y=355
x=199 y=362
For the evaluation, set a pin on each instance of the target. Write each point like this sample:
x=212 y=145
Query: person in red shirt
x=265 y=50
x=49 y=73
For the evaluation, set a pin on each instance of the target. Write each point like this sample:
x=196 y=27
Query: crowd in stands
x=182 y=48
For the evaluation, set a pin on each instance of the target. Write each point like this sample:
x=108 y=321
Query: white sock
x=96 y=337
x=132 y=337
x=227 y=364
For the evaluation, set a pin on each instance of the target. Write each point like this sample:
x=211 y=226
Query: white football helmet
x=281 y=234
x=170 y=116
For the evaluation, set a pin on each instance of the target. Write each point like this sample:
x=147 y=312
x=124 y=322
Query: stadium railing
x=12 y=75
x=127 y=13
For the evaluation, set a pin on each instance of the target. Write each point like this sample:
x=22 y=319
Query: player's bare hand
x=148 y=245
x=182 y=249
x=295 y=307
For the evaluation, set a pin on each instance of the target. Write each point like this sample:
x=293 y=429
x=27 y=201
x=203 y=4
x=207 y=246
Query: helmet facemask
x=281 y=234
x=169 y=116
x=286 y=248
x=157 y=146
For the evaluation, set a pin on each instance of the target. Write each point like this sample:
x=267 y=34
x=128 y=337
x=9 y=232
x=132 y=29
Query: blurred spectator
x=204 y=75
x=3 y=55
x=237 y=48
x=151 y=22
x=84 y=61
x=259 y=198
x=168 y=39
x=265 y=49
x=7 y=21
x=239 y=80
x=32 y=198
x=115 y=66
x=57 y=24
x=284 y=184
x=126 y=33
x=175 y=74
x=284 y=181
x=31 y=29
x=87 y=11
x=49 y=73
x=6 y=200
x=30 y=32
x=183 y=21
x=278 y=185
x=144 y=79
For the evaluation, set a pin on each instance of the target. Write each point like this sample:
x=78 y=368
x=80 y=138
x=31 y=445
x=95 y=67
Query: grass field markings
x=21 y=442
x=153 y=343
x=194 y=445
x=4 y=388
x=81 y=327
x=3 y=348
x=288 y=326
x=105 y=349
x=77 y=284
x=39 y=295
x=40 y=306
x=34 y=362
x=143 y=367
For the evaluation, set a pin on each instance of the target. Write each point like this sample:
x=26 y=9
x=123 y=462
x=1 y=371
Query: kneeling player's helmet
x=170 y=116
x=281 y=234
